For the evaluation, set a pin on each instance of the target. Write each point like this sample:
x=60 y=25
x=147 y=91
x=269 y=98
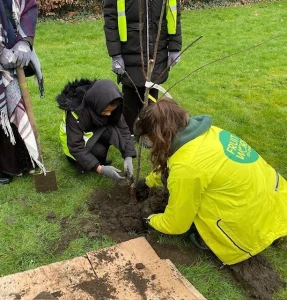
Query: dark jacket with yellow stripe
x=78 y=131
x=130 y=50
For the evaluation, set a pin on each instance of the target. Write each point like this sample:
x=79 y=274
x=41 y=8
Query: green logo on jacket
x=236 y=149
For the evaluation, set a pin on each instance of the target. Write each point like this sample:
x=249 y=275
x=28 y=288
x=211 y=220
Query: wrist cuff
x=96 y=166
x=28 y=43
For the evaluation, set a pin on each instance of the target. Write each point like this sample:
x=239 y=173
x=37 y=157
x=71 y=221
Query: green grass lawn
x=245 y=94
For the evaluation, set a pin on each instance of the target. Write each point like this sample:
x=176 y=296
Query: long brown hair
x=161 y=121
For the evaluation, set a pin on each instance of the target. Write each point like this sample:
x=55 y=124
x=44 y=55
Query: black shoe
x=198 y=241
x=5 y=178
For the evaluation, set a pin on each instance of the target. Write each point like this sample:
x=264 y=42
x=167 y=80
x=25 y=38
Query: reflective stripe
x=152 y=98
x=87 y=136
x=122 y=21
x=74 y=115
x=171 y=16
x=63 y=135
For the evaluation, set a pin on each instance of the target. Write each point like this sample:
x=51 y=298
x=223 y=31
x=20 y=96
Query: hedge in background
x=62 y=7
x=75 y=7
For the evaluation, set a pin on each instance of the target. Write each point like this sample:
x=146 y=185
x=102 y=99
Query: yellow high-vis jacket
x=236 y=200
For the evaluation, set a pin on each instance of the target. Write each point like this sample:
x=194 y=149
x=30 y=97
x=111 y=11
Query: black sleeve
x=76 y=144
x=111 y=27
x=175 y=40
x=130 y=150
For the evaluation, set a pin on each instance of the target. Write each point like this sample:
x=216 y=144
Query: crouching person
x=92 y=122
x=216 y=181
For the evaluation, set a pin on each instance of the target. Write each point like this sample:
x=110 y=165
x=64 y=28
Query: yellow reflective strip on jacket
x=63 y=135
x=171 y=15
x=75 y=115
x=171 y=18
x=122 y=21
x=87 y=135
x=152 y=98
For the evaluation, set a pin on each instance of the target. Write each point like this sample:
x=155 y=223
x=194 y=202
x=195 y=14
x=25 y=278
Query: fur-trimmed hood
x=73 y=93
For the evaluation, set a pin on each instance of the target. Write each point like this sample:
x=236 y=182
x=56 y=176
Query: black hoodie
x=88 y=100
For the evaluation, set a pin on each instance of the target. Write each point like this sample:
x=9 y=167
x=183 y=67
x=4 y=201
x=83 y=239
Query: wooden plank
x=133 y=251
x=136 y=272
x=63 y=280
x=129 y=270
x=184 y=281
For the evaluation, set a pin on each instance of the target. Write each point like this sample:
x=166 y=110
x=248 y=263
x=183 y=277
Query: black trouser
x=132 y=103
x=99 y=150
x=14 y=159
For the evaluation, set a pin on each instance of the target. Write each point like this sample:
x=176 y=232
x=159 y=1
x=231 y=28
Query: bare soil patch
x=114 y=214
x=121 y=219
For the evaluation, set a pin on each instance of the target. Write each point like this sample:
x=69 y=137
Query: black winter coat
x=130 y=50
x=77 y=146
x=88 y=99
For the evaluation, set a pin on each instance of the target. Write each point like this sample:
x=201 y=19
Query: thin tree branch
x=222 y=58
x=131 y=81
x=150 y=67
x=149 y=72
x=193 y=42
x=159 y=30
x=141 y=36
x=147 y=31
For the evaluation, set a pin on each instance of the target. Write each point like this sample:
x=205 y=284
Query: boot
x=5 y=178
x=198 y=241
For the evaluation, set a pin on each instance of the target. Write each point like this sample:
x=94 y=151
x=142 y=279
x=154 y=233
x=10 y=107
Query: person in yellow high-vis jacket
x=216 y=181
x=127 y=27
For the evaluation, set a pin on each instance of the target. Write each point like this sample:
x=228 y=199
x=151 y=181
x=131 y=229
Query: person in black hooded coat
x=126 y=56
x=92 y=122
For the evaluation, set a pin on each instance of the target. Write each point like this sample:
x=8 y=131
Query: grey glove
x=23 y=51
x=111 y=172
x=118 y=64
x=8 y=58
x=173 y=58
x=128 y=167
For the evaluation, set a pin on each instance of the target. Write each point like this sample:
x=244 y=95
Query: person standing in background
x=123 y=25
x=18 y=149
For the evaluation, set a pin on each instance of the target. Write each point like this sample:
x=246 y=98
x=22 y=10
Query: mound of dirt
x=121 y=219
x=258 y=276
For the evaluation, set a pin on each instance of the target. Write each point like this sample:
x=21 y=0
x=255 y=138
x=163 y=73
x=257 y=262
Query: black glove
x=146 y=212
x=142 y=190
